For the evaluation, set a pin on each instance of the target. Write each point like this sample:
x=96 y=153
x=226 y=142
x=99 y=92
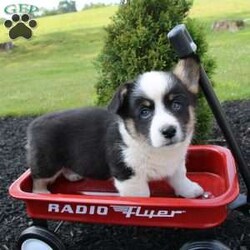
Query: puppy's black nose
x=169 y=132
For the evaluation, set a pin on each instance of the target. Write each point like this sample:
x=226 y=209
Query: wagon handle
x=184 y=46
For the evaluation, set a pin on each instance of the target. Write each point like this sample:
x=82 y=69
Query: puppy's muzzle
x=168 y=132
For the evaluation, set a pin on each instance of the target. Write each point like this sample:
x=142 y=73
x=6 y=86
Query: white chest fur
x=149 y=162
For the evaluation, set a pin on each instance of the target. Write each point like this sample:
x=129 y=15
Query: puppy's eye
x=176 y=106
x=145 y=113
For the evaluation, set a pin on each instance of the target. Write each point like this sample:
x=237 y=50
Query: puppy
x=143 y=135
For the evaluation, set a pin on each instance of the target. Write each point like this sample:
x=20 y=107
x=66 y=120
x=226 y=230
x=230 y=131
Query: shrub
x=136 y=42
x=94 y=6
x=64 y=6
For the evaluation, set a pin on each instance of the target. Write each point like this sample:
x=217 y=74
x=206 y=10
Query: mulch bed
x=235 y=231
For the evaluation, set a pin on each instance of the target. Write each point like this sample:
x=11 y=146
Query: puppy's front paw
x=132 y=188
x=190 y=189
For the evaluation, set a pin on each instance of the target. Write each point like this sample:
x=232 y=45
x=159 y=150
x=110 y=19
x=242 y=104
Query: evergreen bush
x=136 y=41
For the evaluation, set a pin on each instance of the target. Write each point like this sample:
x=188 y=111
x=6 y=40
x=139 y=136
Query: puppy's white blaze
x=155 y=84
x=162 y=119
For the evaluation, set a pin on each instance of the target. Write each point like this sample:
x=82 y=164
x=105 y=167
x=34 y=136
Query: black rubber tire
x=41 y=234
x=205 y=245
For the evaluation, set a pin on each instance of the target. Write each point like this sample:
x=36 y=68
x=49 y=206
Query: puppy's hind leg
x=40 y=185
x=71 y=175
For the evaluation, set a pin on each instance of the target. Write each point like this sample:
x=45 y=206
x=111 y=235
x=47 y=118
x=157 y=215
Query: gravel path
x=235 y=231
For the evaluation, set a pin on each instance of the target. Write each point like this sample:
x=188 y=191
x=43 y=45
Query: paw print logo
x=20 y=26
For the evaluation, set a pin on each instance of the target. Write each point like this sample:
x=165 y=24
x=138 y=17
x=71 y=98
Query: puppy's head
x=159 y=106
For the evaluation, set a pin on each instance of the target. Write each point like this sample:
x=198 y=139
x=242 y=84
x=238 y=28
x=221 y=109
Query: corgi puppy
x=142 y=135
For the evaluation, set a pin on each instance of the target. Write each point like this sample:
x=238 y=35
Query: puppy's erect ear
x=119 y=97
x=188 y=71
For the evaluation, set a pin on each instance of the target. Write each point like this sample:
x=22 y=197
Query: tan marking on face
x=130 y=127
x=170 y=97
x=146 y=103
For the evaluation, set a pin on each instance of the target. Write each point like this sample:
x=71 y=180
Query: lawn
x=55 y=69
x=231 y=50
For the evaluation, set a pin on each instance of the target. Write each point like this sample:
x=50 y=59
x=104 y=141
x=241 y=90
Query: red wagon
x=93 y=201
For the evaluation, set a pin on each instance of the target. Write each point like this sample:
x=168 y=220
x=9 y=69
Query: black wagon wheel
x=38 y=238
x=205 y=245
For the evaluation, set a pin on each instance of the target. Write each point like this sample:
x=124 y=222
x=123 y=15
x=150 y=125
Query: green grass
x=55 y=70
x=56 y=75
x=231 y=50
x=232 y=54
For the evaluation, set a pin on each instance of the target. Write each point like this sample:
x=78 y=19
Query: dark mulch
x=235 y=231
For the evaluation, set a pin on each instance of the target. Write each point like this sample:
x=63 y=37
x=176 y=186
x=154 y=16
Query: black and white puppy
x=143 y=135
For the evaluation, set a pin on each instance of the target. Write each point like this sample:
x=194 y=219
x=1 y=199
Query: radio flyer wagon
x=95 y=201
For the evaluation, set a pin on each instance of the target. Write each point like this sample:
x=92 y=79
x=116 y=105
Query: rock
x=230 y=25
x=6 y=46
